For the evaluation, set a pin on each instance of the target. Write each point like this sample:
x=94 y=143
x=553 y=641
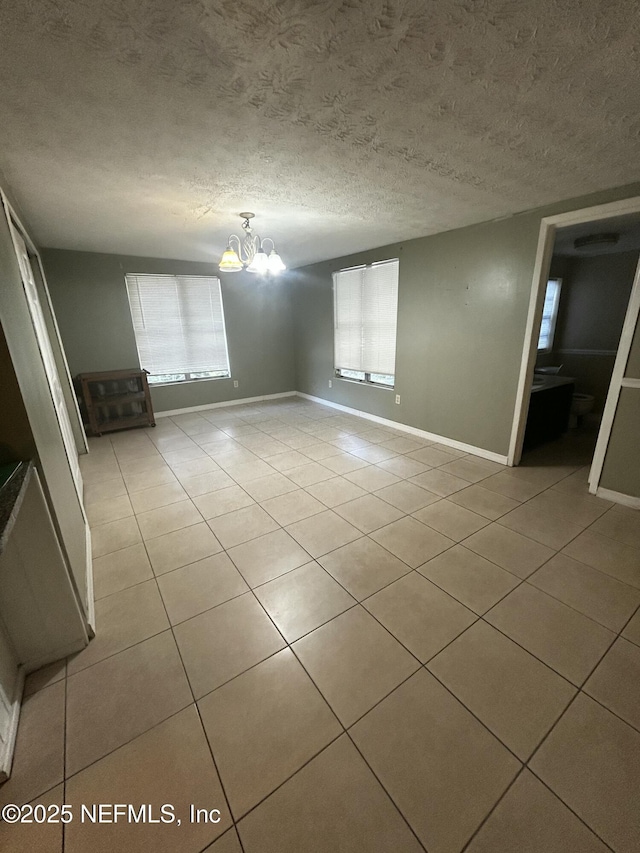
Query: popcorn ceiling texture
x=144 y=126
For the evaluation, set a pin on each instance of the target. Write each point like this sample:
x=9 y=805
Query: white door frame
x=546 y=240
x=66 y=382
x=46 y=352
x=618 y=382
x=65 y=493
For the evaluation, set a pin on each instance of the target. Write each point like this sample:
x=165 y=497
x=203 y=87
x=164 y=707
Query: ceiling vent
x=595 y=242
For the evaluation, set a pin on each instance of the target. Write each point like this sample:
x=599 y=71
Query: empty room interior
x=320 y=429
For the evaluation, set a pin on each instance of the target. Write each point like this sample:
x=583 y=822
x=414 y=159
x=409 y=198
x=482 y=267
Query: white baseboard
x=429 y=436
x=204 y=408
x=618 y=497
x=91 y=605
x=55 y=654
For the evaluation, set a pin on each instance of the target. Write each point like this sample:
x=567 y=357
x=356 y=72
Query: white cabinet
x=11 y=679
x=40 y=614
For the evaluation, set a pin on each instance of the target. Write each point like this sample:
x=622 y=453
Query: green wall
x=462 y=309
x=594 y=300
x=593 y=304
x=90 y=300
x=621 y=470
x=463 y=302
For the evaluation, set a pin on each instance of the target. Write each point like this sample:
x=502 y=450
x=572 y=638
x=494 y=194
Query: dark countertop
x=542 y=382
x=13 y=481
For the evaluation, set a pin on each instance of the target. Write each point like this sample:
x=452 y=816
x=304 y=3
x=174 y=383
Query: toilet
x=581 y=405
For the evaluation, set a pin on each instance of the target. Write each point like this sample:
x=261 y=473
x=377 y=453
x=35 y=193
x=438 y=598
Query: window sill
x=153 y=385
x=365 y=384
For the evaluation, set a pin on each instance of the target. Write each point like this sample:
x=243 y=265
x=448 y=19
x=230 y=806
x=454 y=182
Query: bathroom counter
x=14 y=478
x=542 y=382
x=549 y=409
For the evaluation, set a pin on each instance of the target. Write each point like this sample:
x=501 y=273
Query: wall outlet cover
x=330 y=383
x=235 y=383
x=397 y=399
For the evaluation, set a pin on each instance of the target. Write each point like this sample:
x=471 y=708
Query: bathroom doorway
x=582 y=319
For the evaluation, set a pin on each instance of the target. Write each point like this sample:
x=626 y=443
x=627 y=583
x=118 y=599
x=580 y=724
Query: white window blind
x=365 y=318
x=178 y=322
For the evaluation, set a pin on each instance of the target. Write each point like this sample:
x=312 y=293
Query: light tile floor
x=343 y=638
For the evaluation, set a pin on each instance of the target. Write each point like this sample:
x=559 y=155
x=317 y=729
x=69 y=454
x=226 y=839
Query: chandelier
x=249 y=252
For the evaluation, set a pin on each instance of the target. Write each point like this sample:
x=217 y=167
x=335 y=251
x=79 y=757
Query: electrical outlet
x=330 y=383
x=397 y=399
x=235 y=384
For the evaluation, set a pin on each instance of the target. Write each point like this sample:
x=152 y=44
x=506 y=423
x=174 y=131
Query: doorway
x=41 y=386
x=595 y=330
x=46 y=351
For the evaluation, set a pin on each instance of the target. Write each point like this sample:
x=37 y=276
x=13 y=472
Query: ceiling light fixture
x=249 y=252
x=594 y=241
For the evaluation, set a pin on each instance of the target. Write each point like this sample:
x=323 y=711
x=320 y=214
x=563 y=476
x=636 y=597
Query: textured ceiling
x=145 y=126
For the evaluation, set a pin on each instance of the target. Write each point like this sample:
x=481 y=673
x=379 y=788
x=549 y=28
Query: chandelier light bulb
x=247 y=252
x=276 y=264
x=230 y=262
x=260 y=263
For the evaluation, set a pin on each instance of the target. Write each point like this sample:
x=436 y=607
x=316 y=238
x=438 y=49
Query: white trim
x=430 y=436
x=630 y=383
x=91 y=605
x=544 y=253
x=43 y=339
x=618 y=497
x=366 y=382
x=169 y=412
x=586 y=351
x=79 y=433
x=55 y=653
x=541 y=269
x=599 y=211
x=6 y=755
x=617 y=380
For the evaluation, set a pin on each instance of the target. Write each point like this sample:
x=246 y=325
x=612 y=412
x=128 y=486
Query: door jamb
x=546 y=239
x=618 y=382
x=79 y=431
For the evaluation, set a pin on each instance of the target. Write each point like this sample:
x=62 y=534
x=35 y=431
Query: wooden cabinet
x=113 y=400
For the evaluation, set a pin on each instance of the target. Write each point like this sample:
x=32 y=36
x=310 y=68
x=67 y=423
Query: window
x=549 y=315
x=365 y=321
x=179 y=326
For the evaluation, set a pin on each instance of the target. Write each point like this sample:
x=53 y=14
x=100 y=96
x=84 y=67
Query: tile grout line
x=486 y=818
x=457 y=542
x=539 y=747
x=290 y=647
x=64 y=753
x=397 y=807
x=573 y=812
x=412 y=569
x=345 y=731
x=194 y=702
x=522 y=580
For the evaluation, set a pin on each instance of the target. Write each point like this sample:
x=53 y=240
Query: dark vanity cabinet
x=549 y=409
